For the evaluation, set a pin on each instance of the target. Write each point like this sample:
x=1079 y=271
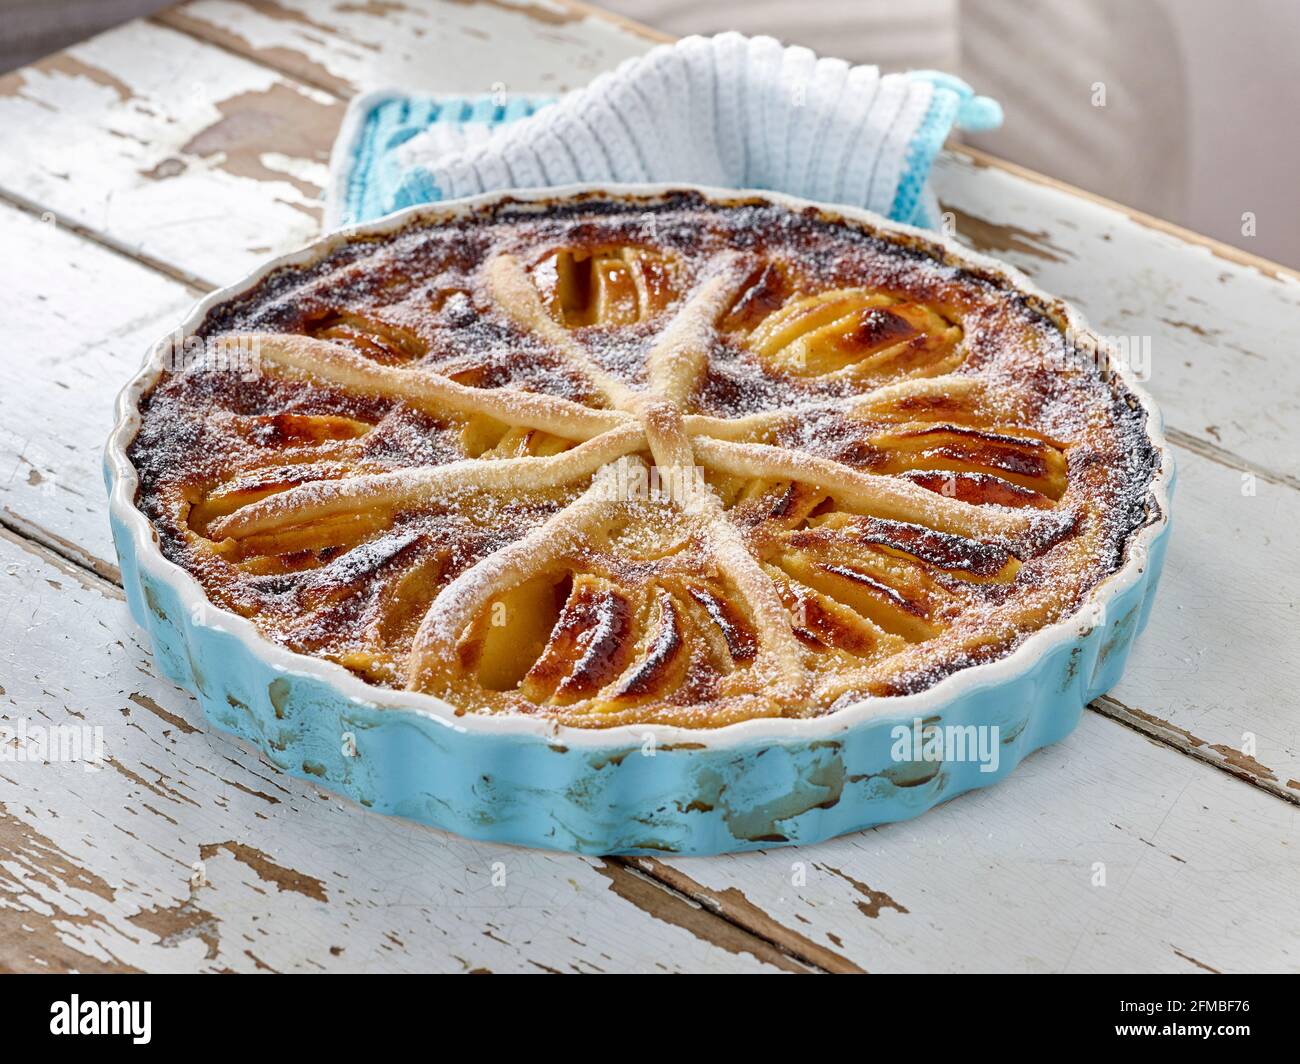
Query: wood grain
x=80 y=319
x=462 y=47
x=169 y=149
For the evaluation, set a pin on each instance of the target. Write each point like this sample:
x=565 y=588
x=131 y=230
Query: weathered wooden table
x=143 y=167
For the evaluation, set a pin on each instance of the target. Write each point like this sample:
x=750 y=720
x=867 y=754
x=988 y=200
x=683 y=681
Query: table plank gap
x=19 y=528
x=1225 y=758
x=175 y=18
x=732 y=906
x=1229 y=459
x=668 y=896
x=196 y=285
x=90 y=578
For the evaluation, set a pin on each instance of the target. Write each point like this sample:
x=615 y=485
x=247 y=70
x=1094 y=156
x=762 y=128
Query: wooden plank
x=1150 y=221
x=529 y=46
x=1217 y=671
x=1217 y=327
x=180 y=153
x=169 y=149
x=1199 y=873
x=79 y=319
x=187 y=852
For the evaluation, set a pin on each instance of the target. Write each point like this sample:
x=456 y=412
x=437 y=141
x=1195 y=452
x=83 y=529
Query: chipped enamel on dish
x=531 y=781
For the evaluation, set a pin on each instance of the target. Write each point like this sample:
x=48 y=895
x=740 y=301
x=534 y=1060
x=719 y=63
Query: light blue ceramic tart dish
x=632 y=789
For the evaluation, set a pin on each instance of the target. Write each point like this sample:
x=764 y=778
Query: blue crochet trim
x=376 y=184
x=954 y=103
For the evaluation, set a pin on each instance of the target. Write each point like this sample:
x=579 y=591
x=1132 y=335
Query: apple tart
x=611 y=461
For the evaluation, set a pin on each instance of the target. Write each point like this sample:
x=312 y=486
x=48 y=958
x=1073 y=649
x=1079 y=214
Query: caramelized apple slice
x=403 y=602
x=822 y=624
x=967 y=559
x=520 y=441
x=856 y=332
x=605 y=286
x=512 y=633
x=486 y=437
x=336 y=532
x=590 y=644
x=661 y=658
x=763 y=292
x=783 y=503
x=382 y=341
x=285 y=430
x=349 y=573
x=1022 y=460
x=978 y=488
x=248 y=487
x=890 y=594
x=394 y=614
x=738 y=644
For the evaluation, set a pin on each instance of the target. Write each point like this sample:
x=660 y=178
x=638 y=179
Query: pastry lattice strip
x=632 y=421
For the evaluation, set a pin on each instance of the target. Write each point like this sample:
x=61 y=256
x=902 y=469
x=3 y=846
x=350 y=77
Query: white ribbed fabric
x=728 y=110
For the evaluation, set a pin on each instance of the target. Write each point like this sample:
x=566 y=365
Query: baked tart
x=672 y=459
